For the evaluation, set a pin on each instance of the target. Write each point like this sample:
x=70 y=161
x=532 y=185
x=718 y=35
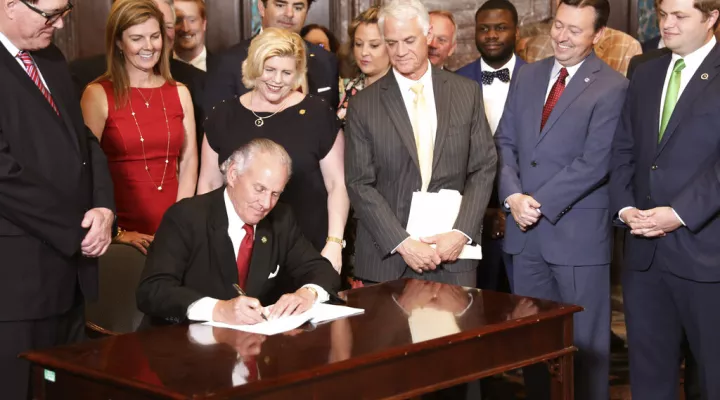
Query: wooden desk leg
x=561 y=376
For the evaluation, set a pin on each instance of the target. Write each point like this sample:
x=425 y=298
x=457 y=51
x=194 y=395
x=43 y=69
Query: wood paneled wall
x=229 y=21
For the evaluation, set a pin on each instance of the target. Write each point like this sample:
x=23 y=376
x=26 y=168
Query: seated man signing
x=234 y=235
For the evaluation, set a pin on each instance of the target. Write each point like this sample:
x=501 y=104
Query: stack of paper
x=435 y=213
x=317 y=314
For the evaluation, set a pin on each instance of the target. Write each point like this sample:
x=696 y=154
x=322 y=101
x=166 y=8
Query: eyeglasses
x=50 y=18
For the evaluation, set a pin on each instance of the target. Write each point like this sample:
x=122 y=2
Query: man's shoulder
x=281 y=217
x=238 y=50
x=195 y=208
x=183 y=72
x=612 y=79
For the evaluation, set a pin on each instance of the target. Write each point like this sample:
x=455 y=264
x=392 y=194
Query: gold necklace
x=147 y=101
x=260 y=121
x=142 y=143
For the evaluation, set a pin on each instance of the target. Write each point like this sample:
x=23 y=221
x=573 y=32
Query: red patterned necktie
x=34 y=74
x=244 y=255
x=253 y=371
x=554 y=96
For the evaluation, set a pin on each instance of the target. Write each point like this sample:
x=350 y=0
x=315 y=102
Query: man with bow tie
x=554 y=141
x=495 y=35
x=234 y=240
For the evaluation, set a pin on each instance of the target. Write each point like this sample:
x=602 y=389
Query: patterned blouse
x=348 y=89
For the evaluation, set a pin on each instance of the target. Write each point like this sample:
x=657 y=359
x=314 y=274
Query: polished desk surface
x=170 y=361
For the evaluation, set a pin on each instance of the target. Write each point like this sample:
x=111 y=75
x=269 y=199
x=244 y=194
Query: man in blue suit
x=665 y=187
x=495 y=36
x=554 y=141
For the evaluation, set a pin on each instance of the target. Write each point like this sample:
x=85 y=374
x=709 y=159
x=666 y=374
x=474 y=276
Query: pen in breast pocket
x=242 y=293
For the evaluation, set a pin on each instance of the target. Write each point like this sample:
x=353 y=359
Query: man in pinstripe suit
x=417 y=128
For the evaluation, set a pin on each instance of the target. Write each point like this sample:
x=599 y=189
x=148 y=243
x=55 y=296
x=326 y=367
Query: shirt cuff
x=472 y=299
x=623 y=209
x=678 y=216
x=505 y=203
x=322 y=294
x=201 y=334
x=468 y=237
x=202 y=310
x=396 y=247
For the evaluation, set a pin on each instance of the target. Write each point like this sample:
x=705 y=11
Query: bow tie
x=502 y=74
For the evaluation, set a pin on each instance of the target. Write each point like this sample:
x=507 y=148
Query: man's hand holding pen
x=242 y=310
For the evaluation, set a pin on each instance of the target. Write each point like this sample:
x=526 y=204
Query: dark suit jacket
x=225 y=74
x=382 y=169
x=52 y=171
x=565 y=165
x=474 y=72
x=86 y=70
x=641 y=58
x=651 y=44
x=192 y=257
x=681 y=171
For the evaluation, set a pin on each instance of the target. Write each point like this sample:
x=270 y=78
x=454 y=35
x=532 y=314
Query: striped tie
x=34 y=74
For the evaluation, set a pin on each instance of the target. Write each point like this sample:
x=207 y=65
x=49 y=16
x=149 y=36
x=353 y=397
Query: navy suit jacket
x=682 y=171
x=474 y=70
x=566 y=165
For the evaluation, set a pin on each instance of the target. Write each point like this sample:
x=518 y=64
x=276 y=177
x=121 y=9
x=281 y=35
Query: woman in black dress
x=305 y=125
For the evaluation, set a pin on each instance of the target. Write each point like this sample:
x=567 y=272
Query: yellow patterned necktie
x=423 y=135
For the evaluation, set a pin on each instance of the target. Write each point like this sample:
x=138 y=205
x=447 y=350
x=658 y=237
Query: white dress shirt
x=496 y=93
x=13 y=50
x=692 y=63
x=409 y=96
x=202 y=309
x=199 y=62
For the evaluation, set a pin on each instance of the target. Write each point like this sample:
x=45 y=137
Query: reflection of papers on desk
x=319 y=313
x=435 y=213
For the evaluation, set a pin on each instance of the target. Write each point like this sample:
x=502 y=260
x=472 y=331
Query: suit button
x=648 y=197
x=84 y=163
x=654 y=167
x=533 y=164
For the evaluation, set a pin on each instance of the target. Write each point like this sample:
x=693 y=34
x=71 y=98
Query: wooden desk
x=371 y=356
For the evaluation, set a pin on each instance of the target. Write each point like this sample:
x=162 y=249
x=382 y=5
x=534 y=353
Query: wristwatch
x=312 y=289
x=339 y=241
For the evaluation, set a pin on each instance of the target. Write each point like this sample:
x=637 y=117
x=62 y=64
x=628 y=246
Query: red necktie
x=34 y=74
x=554 y=96
x=244 y=255
x=251 y=365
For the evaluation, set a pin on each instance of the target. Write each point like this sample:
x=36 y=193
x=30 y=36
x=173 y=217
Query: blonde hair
x=123 y=15
x=275 y=42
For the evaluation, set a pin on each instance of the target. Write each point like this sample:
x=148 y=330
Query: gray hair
x=242 y=157
x=405 y=10
x=450 y=17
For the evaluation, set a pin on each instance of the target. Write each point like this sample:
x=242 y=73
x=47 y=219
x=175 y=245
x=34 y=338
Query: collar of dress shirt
x=405 y=83
x=571 y=71
x=199 y=58
x=11 y=48
x=694 y=59
x=235 y=223
x=510 y=65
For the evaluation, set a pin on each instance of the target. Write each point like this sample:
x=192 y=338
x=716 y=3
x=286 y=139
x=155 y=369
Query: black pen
x=242 y=293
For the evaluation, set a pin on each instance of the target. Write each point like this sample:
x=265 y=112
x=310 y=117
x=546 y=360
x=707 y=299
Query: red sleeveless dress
x=140 y=205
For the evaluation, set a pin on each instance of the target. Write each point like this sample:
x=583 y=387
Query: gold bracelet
x=120 y=232
x=335 y=240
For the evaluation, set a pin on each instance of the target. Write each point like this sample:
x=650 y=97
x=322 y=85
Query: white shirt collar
x=11 y=48
x=571 y=70
x=510 y=65
x=235 y=223
x=694 y=59
x=406 y=83
x=198 y=60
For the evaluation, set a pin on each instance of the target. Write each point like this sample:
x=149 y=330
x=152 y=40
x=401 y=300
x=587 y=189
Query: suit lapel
x=657 y=78
x=537 y=97
x=443 y=107
x=583 y=78
x=51 y=79
x=704 y=75
x=260 y=263
x=395 y=106
x=221 y=246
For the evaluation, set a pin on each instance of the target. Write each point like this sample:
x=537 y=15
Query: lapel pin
x=302 y=112
x=704 y=76
x=587 y=80
x=312 y=54
x=263 y=240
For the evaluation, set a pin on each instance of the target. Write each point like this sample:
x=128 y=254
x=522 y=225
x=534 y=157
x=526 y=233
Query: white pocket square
x=274 y=274
x=325 y=89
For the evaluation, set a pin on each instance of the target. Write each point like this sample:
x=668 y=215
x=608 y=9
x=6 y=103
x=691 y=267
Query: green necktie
x=671 y=96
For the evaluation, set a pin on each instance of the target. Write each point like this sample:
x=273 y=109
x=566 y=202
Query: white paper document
x=317 y=314
x=435 y=213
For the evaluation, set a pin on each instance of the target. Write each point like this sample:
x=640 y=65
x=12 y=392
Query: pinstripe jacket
x=382 y=170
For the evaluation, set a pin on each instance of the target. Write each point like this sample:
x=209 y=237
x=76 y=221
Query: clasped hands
x=245 y=310
x=655 y=222
x=98 y=222
x=419 y=256
x=525 y=210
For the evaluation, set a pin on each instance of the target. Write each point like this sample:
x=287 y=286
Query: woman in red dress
x=144 y=121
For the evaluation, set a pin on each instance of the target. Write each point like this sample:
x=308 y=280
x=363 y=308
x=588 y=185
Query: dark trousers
x=586 y=286
x=659 y=309
x=489 y=273
x=20 y=336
